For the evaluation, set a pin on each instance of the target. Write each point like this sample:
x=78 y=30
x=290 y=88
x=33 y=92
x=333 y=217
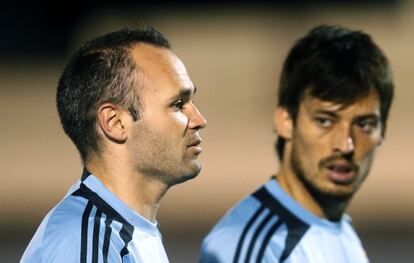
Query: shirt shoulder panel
x=221 y=243
x=58 y=236
x=248 y=230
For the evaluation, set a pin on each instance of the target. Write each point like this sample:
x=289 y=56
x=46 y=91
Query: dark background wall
x=233 y=51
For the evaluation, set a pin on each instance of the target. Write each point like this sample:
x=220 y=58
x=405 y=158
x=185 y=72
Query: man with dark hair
x=334 y=96
x=125 y=100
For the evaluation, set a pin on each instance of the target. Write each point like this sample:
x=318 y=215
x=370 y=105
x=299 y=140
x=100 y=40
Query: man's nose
x=196 y=120
x=343 y=141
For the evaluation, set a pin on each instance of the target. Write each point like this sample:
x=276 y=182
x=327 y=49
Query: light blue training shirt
x=92 y=225
x=270 y=226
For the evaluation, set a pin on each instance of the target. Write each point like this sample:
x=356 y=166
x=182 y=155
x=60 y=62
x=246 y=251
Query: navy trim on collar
x=85 y=174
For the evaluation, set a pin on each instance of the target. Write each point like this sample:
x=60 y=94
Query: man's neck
x=328 y=209
x=140 y=193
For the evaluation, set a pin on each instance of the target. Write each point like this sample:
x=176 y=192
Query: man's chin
x=337 y=194
x=185 y=176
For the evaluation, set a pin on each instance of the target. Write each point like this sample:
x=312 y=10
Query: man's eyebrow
x=368 y=116
x=187 y=92
x=331 y=113
x=184 y=93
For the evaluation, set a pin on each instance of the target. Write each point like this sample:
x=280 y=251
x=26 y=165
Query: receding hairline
x=148 y=57
x=142 y=50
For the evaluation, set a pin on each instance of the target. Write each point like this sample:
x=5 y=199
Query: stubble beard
x=159 y=159
x=179 y=171
x=322 y=196
x=171 y=172
x=183 y=177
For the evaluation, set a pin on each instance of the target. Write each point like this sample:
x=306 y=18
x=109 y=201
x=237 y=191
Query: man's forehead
x=369 y=101
x=162 y=70
x=146 y=55
x=158 y=60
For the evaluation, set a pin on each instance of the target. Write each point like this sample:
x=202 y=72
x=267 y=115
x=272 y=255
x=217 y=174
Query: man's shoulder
x=248 y=226
x=238 y=216
x=59 y=234
x=221 y=242
x=260 y=226
x=65 y=219
x=247 y=212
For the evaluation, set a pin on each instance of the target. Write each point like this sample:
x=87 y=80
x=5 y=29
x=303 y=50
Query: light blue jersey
x=92 y=225
x=270 y=226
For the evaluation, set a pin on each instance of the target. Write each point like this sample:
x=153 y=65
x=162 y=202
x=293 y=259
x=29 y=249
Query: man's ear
x=283 y=123
x=112 y=121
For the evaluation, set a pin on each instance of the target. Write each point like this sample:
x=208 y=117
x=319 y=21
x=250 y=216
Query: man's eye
x=323 y=122
x=366 y=125
x=179 y=104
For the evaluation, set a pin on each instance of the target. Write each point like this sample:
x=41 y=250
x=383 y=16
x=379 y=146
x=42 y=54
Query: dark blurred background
x=233 y=51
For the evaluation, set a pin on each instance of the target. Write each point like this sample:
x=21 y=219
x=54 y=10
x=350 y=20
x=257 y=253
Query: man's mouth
x=195 y=145
x=195 y=142
x=341 y=172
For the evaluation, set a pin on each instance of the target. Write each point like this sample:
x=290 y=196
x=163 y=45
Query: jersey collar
x=95 y=185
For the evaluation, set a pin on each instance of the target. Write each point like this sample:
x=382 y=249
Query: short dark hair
x=336 y=64
x=101 y=71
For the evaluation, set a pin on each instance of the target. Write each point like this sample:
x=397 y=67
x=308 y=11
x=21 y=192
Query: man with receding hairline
x=126 y=101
